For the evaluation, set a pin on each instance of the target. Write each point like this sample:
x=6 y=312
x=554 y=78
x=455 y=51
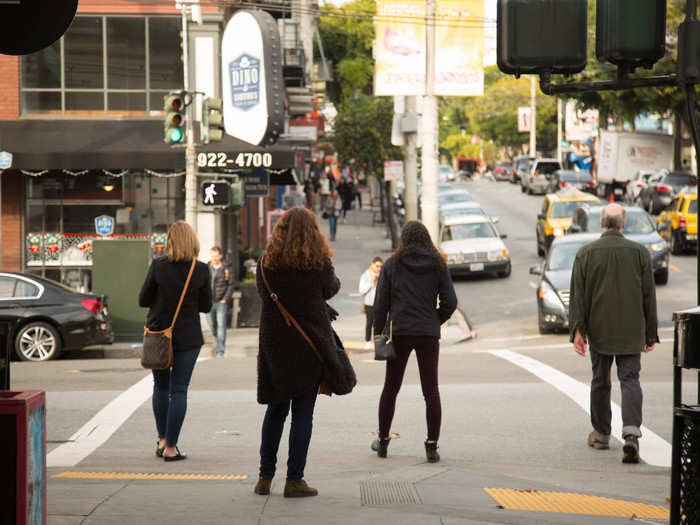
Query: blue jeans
x=333 y=223
x=217 y=322
x=299 y=434
x=170 y=394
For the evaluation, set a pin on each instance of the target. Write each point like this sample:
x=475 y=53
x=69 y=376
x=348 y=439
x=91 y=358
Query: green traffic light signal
x=174 y=125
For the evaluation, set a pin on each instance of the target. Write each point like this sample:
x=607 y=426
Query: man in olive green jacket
x=613 y=308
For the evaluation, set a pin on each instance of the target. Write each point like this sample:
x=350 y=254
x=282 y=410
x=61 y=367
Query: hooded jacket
x=417 y=292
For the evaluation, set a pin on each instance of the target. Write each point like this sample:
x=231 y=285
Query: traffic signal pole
x=191 y=190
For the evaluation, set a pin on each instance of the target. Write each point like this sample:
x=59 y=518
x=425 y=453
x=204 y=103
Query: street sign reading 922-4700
x=216 y=193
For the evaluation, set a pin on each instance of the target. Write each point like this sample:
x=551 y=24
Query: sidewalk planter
x=23 y=457
x=250 y=306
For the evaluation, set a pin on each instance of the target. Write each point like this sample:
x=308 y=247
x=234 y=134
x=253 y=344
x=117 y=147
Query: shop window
x=164 y=51
x=43 y=68
x=83 y=53
x=126 y=53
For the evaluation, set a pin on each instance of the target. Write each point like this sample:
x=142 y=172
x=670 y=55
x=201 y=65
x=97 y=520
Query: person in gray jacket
x=221 y=289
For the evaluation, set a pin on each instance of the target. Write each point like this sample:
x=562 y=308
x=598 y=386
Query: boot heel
x=431 y=452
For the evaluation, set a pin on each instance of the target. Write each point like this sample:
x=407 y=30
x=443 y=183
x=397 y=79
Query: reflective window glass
x=26 y=289
x=84 y=102
x=126 y=53
x=43 y=68
x=7 y=287
x=164 y=46
x=83 y=53
x=41 y=102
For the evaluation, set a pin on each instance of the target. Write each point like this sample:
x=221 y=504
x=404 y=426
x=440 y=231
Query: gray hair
x=613 y=217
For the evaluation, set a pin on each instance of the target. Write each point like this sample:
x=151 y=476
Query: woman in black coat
x=160 y=293
x=412 y=282
x=297 y=266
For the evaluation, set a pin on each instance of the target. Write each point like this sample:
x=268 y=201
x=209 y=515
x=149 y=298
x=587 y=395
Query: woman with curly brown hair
x=298 y=269
x=412 y=282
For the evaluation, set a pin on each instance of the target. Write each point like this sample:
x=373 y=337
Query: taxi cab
x=555 y=216
x=678 y=224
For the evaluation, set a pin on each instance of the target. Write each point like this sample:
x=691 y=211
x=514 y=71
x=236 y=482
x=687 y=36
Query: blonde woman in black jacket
x=160 y=293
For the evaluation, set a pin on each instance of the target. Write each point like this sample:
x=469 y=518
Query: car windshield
x=477 y=230
x=565 y=209
x=638 y=223
x=561 y=256
x=680 y=179
x=693 y=206
x=449 y=198
x=471 y=210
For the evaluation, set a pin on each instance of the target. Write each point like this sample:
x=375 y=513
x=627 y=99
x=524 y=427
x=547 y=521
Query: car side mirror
x=540 y=216
x=536 y=270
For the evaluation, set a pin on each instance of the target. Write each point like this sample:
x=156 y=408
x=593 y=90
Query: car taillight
x=681 y=222
x=641 y=185
x=590 y=185
x=537 y=173
x=515 y=172
x=91 y=305
x=663 y=187
x=499 y=170
x=562 y=184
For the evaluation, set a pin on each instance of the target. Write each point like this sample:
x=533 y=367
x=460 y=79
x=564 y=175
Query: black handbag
x=384 y=346
x=157 y=350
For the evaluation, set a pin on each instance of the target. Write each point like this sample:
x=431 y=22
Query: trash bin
x=23 y=457
x=685 y=466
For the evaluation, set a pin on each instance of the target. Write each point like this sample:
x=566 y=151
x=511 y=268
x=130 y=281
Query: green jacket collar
x=612 y=234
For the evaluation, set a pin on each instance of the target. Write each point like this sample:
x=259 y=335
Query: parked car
x=539 y=177
x=555 y=216
x=446 y=173
x=521 y=165
x=663 y=187
x=555 y=279
x=639 y=228
x=636 y=185
x=503 y=170
x=48 y=317
x=452 y=196
x=471 y=244
x=678 y=224
x=567 y=179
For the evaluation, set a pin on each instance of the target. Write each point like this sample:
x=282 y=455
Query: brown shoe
x=297 y=488
x=630 y=450
x=263 y=486
x=596 y=443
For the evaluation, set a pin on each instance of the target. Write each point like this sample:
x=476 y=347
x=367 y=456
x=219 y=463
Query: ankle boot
x=263 y=486
x=382 y=446
x=431 y=452
x=297 y=488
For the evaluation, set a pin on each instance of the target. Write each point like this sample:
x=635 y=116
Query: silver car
x=538 y=179
x=471 y=244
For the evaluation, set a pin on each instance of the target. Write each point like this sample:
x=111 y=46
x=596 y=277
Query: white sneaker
x=368 y=345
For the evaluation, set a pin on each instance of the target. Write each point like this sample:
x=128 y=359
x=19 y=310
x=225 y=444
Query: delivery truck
x=621 y=155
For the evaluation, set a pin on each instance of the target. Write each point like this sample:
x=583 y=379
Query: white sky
x=489 y=34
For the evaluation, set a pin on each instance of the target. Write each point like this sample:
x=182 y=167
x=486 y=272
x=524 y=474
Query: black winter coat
x=287 y=366
x=161 y=292
x=412 y=300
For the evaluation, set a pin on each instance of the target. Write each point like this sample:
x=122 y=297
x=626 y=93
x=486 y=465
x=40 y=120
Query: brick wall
x=131 y=7
x=9 y=87
x=11 y=248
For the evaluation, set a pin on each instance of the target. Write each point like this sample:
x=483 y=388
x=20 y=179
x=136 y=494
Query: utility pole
x=411 y=165
x=560 y=134
x=533 y=120
x=190 y=154
x=429 y=200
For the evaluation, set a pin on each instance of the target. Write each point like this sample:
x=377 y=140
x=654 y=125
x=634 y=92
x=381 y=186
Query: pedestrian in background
x=331 y=212
x=221 y=290
x=325 y=187
x=368 y=288
x=412 y=282
x=161 y=292
x=613 y=309
x=297 y=266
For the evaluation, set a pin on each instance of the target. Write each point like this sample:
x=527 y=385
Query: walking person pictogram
x=209 y=193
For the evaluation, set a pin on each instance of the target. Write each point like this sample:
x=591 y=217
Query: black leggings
x=369 y=312
x=427 y=352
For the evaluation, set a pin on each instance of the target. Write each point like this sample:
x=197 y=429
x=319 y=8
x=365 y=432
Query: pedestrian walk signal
x=174 y=125
x=216 y=193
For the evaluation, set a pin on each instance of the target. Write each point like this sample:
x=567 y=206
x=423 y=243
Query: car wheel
x=661 y=277
x=676 y=244
x=506 y=272
x=540 y=323
x=540 y=249
x=37 y=342
x=522 y=188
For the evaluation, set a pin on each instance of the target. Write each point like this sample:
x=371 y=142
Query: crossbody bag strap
x=288 y=318
x=182 y=295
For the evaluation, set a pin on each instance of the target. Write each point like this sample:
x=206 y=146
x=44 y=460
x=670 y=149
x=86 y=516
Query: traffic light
x=300 y=101
x=216 y=193
x=212 y=120
x=630 y=32
x=542 y=36
x=174 y=125
x=237 y=193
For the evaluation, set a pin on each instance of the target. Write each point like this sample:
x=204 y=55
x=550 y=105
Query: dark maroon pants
x=427 y=351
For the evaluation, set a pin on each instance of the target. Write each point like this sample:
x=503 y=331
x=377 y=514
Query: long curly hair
x=415 y=235
x=297 y=242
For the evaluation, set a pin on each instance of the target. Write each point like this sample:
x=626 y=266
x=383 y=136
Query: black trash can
x=685 y=467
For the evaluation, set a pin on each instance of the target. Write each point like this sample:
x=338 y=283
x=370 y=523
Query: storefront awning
x=112 y=144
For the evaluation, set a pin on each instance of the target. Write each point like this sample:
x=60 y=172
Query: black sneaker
x=431 y=452
x=630 y=450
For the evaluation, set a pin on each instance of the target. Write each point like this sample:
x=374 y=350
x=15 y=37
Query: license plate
x=691 y=236
x=476 y=267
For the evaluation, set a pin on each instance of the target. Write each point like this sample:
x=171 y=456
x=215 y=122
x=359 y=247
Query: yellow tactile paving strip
x=136 y=475
x=567 y=503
